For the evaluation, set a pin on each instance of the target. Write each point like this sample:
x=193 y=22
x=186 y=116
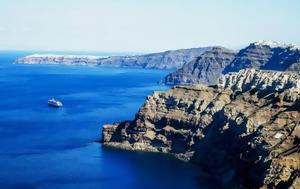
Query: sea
x=43 y=147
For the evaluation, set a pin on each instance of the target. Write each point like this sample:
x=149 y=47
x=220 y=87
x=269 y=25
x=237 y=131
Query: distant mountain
x=267 y=56
x=263 y=55
x=207 y=68
x=165 y=60
x=196 y=65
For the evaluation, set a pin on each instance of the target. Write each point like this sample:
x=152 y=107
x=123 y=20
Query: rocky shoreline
x=245 y=131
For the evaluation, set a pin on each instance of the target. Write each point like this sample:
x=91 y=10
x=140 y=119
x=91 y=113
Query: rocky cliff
x=268 y=56
x=205 y=69
x=164 y=60
x=245 y=131
x=196 y=65
x=264 y=55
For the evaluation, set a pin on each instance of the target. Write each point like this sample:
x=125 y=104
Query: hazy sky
x=145 y=25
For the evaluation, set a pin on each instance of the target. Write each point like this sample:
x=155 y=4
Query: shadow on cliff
x=227 y=154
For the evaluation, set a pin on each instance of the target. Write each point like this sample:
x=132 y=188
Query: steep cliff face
x=245 y=131
x=164 y=60
x=260 y=55
x=268 y=56
x=206 y=69
x=251 y=79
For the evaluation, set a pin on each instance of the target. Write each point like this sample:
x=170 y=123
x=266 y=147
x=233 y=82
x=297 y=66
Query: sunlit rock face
x=249 y=79
x=244 y=131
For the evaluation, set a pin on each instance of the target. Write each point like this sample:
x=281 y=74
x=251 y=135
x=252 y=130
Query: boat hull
x=55 y=105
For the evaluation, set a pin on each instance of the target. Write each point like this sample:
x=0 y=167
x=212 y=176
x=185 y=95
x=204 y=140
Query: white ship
x=54 y=103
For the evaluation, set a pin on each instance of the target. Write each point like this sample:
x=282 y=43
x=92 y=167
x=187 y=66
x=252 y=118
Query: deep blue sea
x=43 y=147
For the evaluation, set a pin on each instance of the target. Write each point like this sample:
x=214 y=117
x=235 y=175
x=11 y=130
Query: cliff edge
x=245 y=131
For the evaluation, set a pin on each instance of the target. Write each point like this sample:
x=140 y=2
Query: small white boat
x=55 y=103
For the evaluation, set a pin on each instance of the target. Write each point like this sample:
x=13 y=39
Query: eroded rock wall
x=243 y=135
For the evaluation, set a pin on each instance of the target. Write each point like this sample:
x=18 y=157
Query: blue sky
x=145 y=26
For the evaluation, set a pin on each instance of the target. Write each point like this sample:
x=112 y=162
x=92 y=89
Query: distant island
x=196 y=65
x=164 y=60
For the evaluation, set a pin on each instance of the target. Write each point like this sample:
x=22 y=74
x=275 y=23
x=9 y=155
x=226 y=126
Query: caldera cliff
x=210 y=65
x=244 y=131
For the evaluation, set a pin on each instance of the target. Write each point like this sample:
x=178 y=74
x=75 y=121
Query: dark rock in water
x=245 y=131
x=206 y=69
x=165 y=60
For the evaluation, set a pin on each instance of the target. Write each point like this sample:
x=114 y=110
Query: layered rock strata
x=267 y=56
x=245 y=131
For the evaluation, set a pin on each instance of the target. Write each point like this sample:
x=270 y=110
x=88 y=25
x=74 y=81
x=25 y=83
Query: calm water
x=43 y=147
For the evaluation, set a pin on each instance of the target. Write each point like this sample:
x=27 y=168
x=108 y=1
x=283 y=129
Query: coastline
x=238 y=124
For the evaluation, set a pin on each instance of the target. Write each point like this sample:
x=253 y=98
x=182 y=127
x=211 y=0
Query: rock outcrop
x=205 y=69
x=260 y=55
x=164 y=60
x=245 y=131
x=251 y=79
